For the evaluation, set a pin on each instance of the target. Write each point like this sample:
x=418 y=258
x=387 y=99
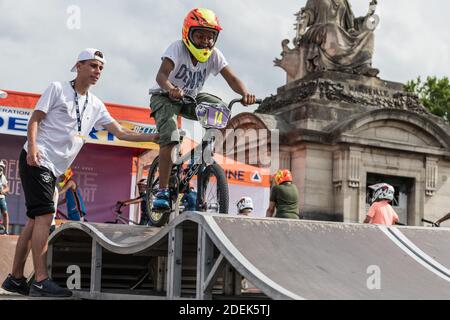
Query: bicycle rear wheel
x=158 y=219
x=214 y=190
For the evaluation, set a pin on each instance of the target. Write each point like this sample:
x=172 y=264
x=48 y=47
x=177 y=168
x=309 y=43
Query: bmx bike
x=212 y=185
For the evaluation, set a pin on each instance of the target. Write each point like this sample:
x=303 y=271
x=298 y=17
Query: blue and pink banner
x=102 y=172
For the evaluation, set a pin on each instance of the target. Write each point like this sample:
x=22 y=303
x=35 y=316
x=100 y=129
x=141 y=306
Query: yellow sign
x=106 y=138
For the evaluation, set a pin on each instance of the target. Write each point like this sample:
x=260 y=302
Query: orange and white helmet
x=200 y=18
x=282 y=176
x=67 y=176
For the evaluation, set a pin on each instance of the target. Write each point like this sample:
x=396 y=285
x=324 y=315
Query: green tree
x=434 y=94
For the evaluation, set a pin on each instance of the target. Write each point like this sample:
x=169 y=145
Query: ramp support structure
x=174 y=263
x=96 y=268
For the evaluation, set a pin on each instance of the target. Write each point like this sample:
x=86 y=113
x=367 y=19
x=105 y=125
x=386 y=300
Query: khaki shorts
x=165 y=112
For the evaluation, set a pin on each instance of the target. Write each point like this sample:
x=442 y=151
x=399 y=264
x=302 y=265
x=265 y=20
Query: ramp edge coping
x=414 y=252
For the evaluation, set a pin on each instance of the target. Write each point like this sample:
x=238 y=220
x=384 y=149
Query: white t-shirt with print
x=3 y=185
x=58 y=140
x=185 y=75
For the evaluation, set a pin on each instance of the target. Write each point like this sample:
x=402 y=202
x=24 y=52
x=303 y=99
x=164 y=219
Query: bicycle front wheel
x=214 y=190
x=158 y=219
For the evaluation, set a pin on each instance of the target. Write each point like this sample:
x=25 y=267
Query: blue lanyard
x=77 y=106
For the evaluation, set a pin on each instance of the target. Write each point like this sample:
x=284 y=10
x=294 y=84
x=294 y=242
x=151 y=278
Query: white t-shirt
x=57 y=138
x=185 y=75
x=3 y=185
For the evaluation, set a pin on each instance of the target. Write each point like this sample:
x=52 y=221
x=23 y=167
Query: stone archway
x=392 y=143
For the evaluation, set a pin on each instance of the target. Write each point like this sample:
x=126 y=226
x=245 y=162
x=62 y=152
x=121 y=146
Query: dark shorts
x=39 y=186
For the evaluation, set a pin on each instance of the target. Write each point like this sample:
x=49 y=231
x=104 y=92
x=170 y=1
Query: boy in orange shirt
x=381 y=211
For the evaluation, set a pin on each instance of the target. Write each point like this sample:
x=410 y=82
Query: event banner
x=14 y=121
x=103 y=174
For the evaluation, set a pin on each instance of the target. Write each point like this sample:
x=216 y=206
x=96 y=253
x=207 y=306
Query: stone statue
x=330 y=38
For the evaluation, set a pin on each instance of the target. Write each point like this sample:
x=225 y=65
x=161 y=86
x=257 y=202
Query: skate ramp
x=284 y=259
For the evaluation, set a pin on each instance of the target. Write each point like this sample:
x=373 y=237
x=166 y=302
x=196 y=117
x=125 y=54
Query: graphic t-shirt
x=57 y=139
x=185 y=75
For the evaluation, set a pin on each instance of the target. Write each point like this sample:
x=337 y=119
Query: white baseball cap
x=3 y=94
x=89 y=54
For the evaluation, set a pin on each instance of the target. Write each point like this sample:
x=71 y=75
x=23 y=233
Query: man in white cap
x=63 y=117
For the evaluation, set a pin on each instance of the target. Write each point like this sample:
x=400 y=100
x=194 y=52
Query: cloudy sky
x=37 y=46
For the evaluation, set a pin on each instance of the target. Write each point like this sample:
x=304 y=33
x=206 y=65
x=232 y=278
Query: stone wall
x=336 y=128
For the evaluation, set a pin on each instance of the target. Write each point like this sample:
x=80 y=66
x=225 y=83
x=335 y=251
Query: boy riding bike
x=186 y=65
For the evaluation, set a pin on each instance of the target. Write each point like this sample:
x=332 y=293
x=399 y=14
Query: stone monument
x=342 y=128
x=330 y=38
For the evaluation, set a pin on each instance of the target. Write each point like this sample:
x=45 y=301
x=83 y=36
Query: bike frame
x=198 y=168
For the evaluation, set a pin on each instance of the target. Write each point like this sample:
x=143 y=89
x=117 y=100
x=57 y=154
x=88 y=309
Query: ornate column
x=431 y=170
x=354 y=168
x=337 y=170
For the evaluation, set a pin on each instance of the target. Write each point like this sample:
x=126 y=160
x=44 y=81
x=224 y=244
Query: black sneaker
x=12 y=284
x=48 y=288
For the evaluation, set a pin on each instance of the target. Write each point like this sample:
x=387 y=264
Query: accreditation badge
x=80 y=138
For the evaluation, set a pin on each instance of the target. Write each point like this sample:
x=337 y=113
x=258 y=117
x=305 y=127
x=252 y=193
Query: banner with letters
x=14 y=121
x=103 y=174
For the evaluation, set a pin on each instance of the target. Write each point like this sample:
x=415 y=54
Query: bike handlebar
x=189 y=99
x=158 y=91
x=434 y=224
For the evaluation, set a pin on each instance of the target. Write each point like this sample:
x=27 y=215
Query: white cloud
x=37 y=48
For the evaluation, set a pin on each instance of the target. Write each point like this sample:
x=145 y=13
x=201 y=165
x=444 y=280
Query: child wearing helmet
x=381 y=211
x=245 y=206
x=283 y=197
x=186 y=64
